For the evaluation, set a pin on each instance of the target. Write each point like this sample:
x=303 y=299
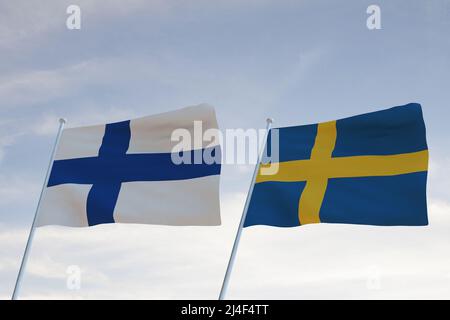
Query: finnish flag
x=125 y=172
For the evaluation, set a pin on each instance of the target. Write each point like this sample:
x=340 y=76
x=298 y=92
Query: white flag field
x=130 y=172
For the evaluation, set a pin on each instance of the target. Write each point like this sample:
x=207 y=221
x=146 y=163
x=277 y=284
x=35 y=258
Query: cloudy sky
x=296 y=61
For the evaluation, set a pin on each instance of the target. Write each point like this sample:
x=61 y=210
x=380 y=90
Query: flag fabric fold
x=367 y=169
x=124 y=172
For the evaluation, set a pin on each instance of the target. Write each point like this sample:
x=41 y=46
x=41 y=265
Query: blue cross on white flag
x=124 y=172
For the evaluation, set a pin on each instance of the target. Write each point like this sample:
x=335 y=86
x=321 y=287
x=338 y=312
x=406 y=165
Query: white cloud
x=8 y=136
x=162 y=262
x=438 y=179
x=22 y=20
x=440 y=210
x=15 y=188
x=5 y=141
x=123 y=261
x=322 y=261
x=38 y=86
x=49 y=123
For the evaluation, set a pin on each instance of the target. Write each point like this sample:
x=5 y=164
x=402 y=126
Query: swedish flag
x=367 y=169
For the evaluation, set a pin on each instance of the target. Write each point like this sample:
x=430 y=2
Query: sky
x=298 y=62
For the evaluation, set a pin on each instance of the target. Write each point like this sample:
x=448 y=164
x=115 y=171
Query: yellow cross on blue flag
x=367 y=169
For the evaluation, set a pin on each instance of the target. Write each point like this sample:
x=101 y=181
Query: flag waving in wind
x=124 y=172
x=367 y=169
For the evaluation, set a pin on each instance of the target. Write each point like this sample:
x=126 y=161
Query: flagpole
x=226 y=279
x=23 y=264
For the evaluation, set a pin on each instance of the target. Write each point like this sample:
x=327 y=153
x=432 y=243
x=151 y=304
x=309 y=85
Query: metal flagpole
x=226 y=279
x=31 y=235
